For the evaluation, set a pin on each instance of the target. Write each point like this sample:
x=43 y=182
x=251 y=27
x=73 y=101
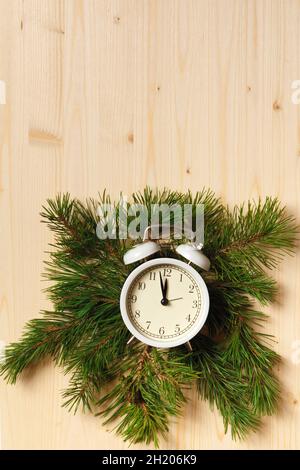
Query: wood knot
x=130 y=137
x=116 y=19
x=276 y=106
x=45 y=137
x=188 y=171
x=249 y=88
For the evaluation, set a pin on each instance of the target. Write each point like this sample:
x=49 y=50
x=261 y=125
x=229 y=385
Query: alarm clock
x=164 y=302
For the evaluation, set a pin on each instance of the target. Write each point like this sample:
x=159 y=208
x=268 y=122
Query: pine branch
x=228 y=303
x=255 y=361
x=221 y=385
x=93 y=363
x=255 y=237
x=81 y=287
x=81 y=391
x=149 y=391
x=61 y=336
x=253 y=283
x=101 y=352
x=214 y=211
x=74 y=225
x=41 y=338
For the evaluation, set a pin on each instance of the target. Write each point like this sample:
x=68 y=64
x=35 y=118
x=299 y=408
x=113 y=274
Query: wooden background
x=120 y=94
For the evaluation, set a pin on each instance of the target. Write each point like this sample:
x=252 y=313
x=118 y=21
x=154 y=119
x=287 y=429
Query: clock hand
x=163 y=286
x=172 y=300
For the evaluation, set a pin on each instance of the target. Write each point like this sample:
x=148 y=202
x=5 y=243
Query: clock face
x=164 y=302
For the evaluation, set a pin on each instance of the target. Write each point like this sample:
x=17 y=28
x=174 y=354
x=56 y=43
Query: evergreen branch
x=255 y=237
x=149 y=391
x=81 y=391
x=214 y=211
x=101 y=352
x=41 y=338
x=230 y=302
x=221 y=385
x=253 y=283
x=244 y=349
x=83 y=287
x=74 y=226
x=59 y=335
x=255 y=361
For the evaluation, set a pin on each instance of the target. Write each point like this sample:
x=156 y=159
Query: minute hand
x=163 y=286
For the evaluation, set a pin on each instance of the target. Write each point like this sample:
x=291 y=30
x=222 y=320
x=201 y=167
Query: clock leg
x=189 y=346
x=130 y=340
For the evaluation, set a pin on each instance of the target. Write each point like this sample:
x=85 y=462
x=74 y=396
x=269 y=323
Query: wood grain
x=120 y=94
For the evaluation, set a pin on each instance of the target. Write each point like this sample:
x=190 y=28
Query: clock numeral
x=137 y=314
x=191 y=288
x=167 y=272
x=181 y=277
x=142 y=286
x=195 y=304
x=148 y=324
x=188 y=318
x=152 y=276
x=161 y=330
x=177 y=328
x=133 y=299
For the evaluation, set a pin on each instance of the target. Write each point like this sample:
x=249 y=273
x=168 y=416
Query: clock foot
x=130 y=340
x=189 y=346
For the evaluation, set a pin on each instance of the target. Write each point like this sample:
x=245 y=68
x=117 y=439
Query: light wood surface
x=120 y=94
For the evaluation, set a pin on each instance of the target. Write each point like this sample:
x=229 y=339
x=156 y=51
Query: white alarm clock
x=164 y=301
